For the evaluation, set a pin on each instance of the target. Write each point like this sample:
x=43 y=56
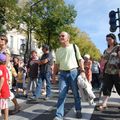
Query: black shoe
x=26 y=96
x=2 y=111
x=78 y=114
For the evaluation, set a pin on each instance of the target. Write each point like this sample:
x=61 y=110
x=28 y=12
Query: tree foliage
x=53 y=15
x=83 y=41
x=10 y=14
x=46 y=20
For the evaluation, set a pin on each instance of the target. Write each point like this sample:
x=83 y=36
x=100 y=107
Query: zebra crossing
x=45 y=110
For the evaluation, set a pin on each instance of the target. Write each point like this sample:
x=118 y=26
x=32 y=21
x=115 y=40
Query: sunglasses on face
x=2 y=39
x=62 y=36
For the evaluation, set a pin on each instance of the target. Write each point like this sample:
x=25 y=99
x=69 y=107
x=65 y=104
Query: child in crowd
x=4 y=87
x=32 y=73
x=16 y=66
x=21 y=81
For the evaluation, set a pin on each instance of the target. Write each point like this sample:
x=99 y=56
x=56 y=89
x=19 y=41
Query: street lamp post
x=30 y=27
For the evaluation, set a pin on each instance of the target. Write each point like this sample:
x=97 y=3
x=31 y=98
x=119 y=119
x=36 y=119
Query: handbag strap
x=75 y=54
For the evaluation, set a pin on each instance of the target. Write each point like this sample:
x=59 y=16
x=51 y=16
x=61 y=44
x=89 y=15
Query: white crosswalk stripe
x=35 y=110
x=86 y=112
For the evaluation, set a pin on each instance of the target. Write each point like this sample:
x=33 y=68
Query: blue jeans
x=66 y=80
x=46 y=77
x=32 y=82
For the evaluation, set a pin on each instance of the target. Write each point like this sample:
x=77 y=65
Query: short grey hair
x=66 y=33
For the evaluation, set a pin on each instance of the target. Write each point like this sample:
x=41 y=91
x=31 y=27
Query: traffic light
x=113 y=21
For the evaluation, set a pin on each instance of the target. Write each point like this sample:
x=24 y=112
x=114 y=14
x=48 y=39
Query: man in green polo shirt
x=67 y=65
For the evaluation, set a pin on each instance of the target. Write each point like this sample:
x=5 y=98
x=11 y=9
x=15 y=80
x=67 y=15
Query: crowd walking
x=19 y=79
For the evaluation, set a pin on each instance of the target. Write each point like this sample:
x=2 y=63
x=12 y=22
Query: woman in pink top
x=102 y=64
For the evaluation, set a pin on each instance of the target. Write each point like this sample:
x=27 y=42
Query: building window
x=22 y=41
x=11 y=43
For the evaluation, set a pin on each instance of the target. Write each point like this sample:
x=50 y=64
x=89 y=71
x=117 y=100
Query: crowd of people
x=30 y=79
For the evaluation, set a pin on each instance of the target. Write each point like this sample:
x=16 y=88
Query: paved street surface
x=45 y=110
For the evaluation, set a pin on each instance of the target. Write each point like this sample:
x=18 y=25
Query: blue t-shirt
x=95 y=67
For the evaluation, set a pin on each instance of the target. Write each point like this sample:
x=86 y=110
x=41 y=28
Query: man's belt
x=68 y=70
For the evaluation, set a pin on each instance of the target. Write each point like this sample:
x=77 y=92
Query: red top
x=4 y=92
x=88 y=71
x=102 y=65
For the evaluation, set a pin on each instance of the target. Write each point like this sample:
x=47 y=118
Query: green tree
x=83 y=41
x=9 y=16
x=46 y=20
x=2 y=17
x=53 y=15
x=86 y=45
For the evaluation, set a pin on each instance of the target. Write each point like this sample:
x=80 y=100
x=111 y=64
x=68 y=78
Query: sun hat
x=87 y=56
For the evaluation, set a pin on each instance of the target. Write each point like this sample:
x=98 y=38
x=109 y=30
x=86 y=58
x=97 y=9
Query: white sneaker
x=56 y=118
x=33 y=98
x=44 y=93
x=91 y=102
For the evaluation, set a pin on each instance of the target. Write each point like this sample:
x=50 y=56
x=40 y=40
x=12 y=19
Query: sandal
x=16 y=110
x=101 y=108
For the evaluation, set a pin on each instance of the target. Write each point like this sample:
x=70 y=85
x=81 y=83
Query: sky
x=93 y=18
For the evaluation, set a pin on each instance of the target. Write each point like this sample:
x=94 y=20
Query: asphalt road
x=45 y=110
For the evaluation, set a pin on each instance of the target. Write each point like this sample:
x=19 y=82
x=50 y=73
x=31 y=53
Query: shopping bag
x=85 y=90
